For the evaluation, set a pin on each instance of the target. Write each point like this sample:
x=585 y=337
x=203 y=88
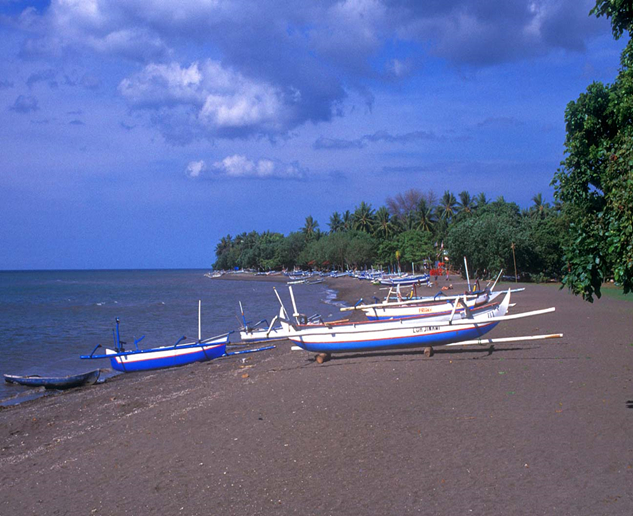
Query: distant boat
x=167 y=356
x=406 y=280
x=55 y=382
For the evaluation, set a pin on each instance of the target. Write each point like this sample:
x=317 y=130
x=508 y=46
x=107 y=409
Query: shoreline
x=535 y=428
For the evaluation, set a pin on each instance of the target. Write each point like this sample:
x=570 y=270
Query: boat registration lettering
x=423 y=310
x=425 y=329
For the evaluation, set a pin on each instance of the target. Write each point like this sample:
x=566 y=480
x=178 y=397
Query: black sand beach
x=531 y=428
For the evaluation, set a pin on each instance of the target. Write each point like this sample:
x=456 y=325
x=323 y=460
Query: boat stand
x=323 y=357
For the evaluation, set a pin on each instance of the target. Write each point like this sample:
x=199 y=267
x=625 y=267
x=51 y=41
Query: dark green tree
x=595 y=181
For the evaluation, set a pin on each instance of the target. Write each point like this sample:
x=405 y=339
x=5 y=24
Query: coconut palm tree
x=424 y=218
x=348 y=220
x=224 y=245
x=310 y=228
x=383 y=225
x=363 y=218
x=466 y=204
x=336 y=222
x=481 y=200
x=540 y=209
x=447 y=206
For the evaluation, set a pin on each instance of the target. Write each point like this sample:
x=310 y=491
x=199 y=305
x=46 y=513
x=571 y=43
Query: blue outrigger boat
x=167 y=356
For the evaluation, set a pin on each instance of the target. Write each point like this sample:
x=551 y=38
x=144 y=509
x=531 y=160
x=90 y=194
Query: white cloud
x=238 y=166
x=195 y=168
x=223 y=100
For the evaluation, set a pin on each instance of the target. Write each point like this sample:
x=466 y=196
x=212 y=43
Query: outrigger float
x=177 y=354
x=329 y=338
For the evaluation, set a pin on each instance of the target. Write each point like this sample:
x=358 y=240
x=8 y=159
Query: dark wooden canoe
x=55 y=382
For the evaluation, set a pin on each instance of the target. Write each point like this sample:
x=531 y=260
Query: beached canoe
x=178 y=354
x=55 y=382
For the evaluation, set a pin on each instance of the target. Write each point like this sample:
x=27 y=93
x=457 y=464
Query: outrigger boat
x=440 y=306
x=406 y=280
x=167 y=356
x=262 y=331
x=328 y=338
x=55 y=382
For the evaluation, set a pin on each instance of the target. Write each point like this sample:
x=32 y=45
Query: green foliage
x=620 y=12
x=595 y=181
x=482 y=231
x=486 y=240
x=414 y=246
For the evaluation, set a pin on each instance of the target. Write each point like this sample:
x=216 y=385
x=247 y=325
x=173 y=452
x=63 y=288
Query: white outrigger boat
x=262 y=331
x=326 y=339
x=439 y=307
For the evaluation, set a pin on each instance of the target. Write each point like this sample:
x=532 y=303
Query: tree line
x=413 y=229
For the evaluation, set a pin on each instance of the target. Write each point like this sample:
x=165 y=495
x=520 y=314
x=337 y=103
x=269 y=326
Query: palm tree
x=310 y=228
x=383 y=226
x=424 y=216
x=540 y=208
x=348 y=220
x=447 y=206
x=336 y=222
x=224 y=245
x=466 y=204
x=363 y=218
x=481 y=200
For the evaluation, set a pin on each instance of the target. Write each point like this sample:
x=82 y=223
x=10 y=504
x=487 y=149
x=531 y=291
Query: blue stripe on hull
x=410 y=341
x=202 y=355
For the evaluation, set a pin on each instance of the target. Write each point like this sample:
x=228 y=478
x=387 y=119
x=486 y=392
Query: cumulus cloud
x=238 y=166
x=242 y=69
x=195 y=168
x=220 y=101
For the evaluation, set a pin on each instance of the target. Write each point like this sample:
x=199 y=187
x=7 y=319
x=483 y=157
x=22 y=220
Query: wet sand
x=531 y=428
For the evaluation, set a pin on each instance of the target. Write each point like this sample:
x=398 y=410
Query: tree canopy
x=595 y=181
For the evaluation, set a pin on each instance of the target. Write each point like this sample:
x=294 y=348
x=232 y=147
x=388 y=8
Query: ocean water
x=49 y=318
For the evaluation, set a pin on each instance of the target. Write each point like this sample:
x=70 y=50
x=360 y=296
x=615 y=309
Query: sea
x=49 y=318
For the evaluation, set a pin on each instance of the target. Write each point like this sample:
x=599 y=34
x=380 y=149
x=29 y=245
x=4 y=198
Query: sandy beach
x=531 y=428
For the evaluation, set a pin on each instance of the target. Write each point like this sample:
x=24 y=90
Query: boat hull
x=414 y=337
x=169 y=357
x=55 y=382
x=396 y=333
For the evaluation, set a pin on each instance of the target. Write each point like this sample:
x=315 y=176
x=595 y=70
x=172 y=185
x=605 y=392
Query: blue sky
x=135 y=134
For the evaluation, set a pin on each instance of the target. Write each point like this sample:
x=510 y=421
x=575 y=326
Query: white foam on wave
x=330 y=298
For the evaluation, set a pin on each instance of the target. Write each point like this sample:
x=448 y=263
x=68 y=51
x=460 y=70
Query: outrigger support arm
x=271 y=325
x=281 y=302
x=495 y=283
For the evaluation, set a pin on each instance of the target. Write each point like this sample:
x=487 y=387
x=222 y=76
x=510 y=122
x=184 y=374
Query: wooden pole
x=516 y=277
